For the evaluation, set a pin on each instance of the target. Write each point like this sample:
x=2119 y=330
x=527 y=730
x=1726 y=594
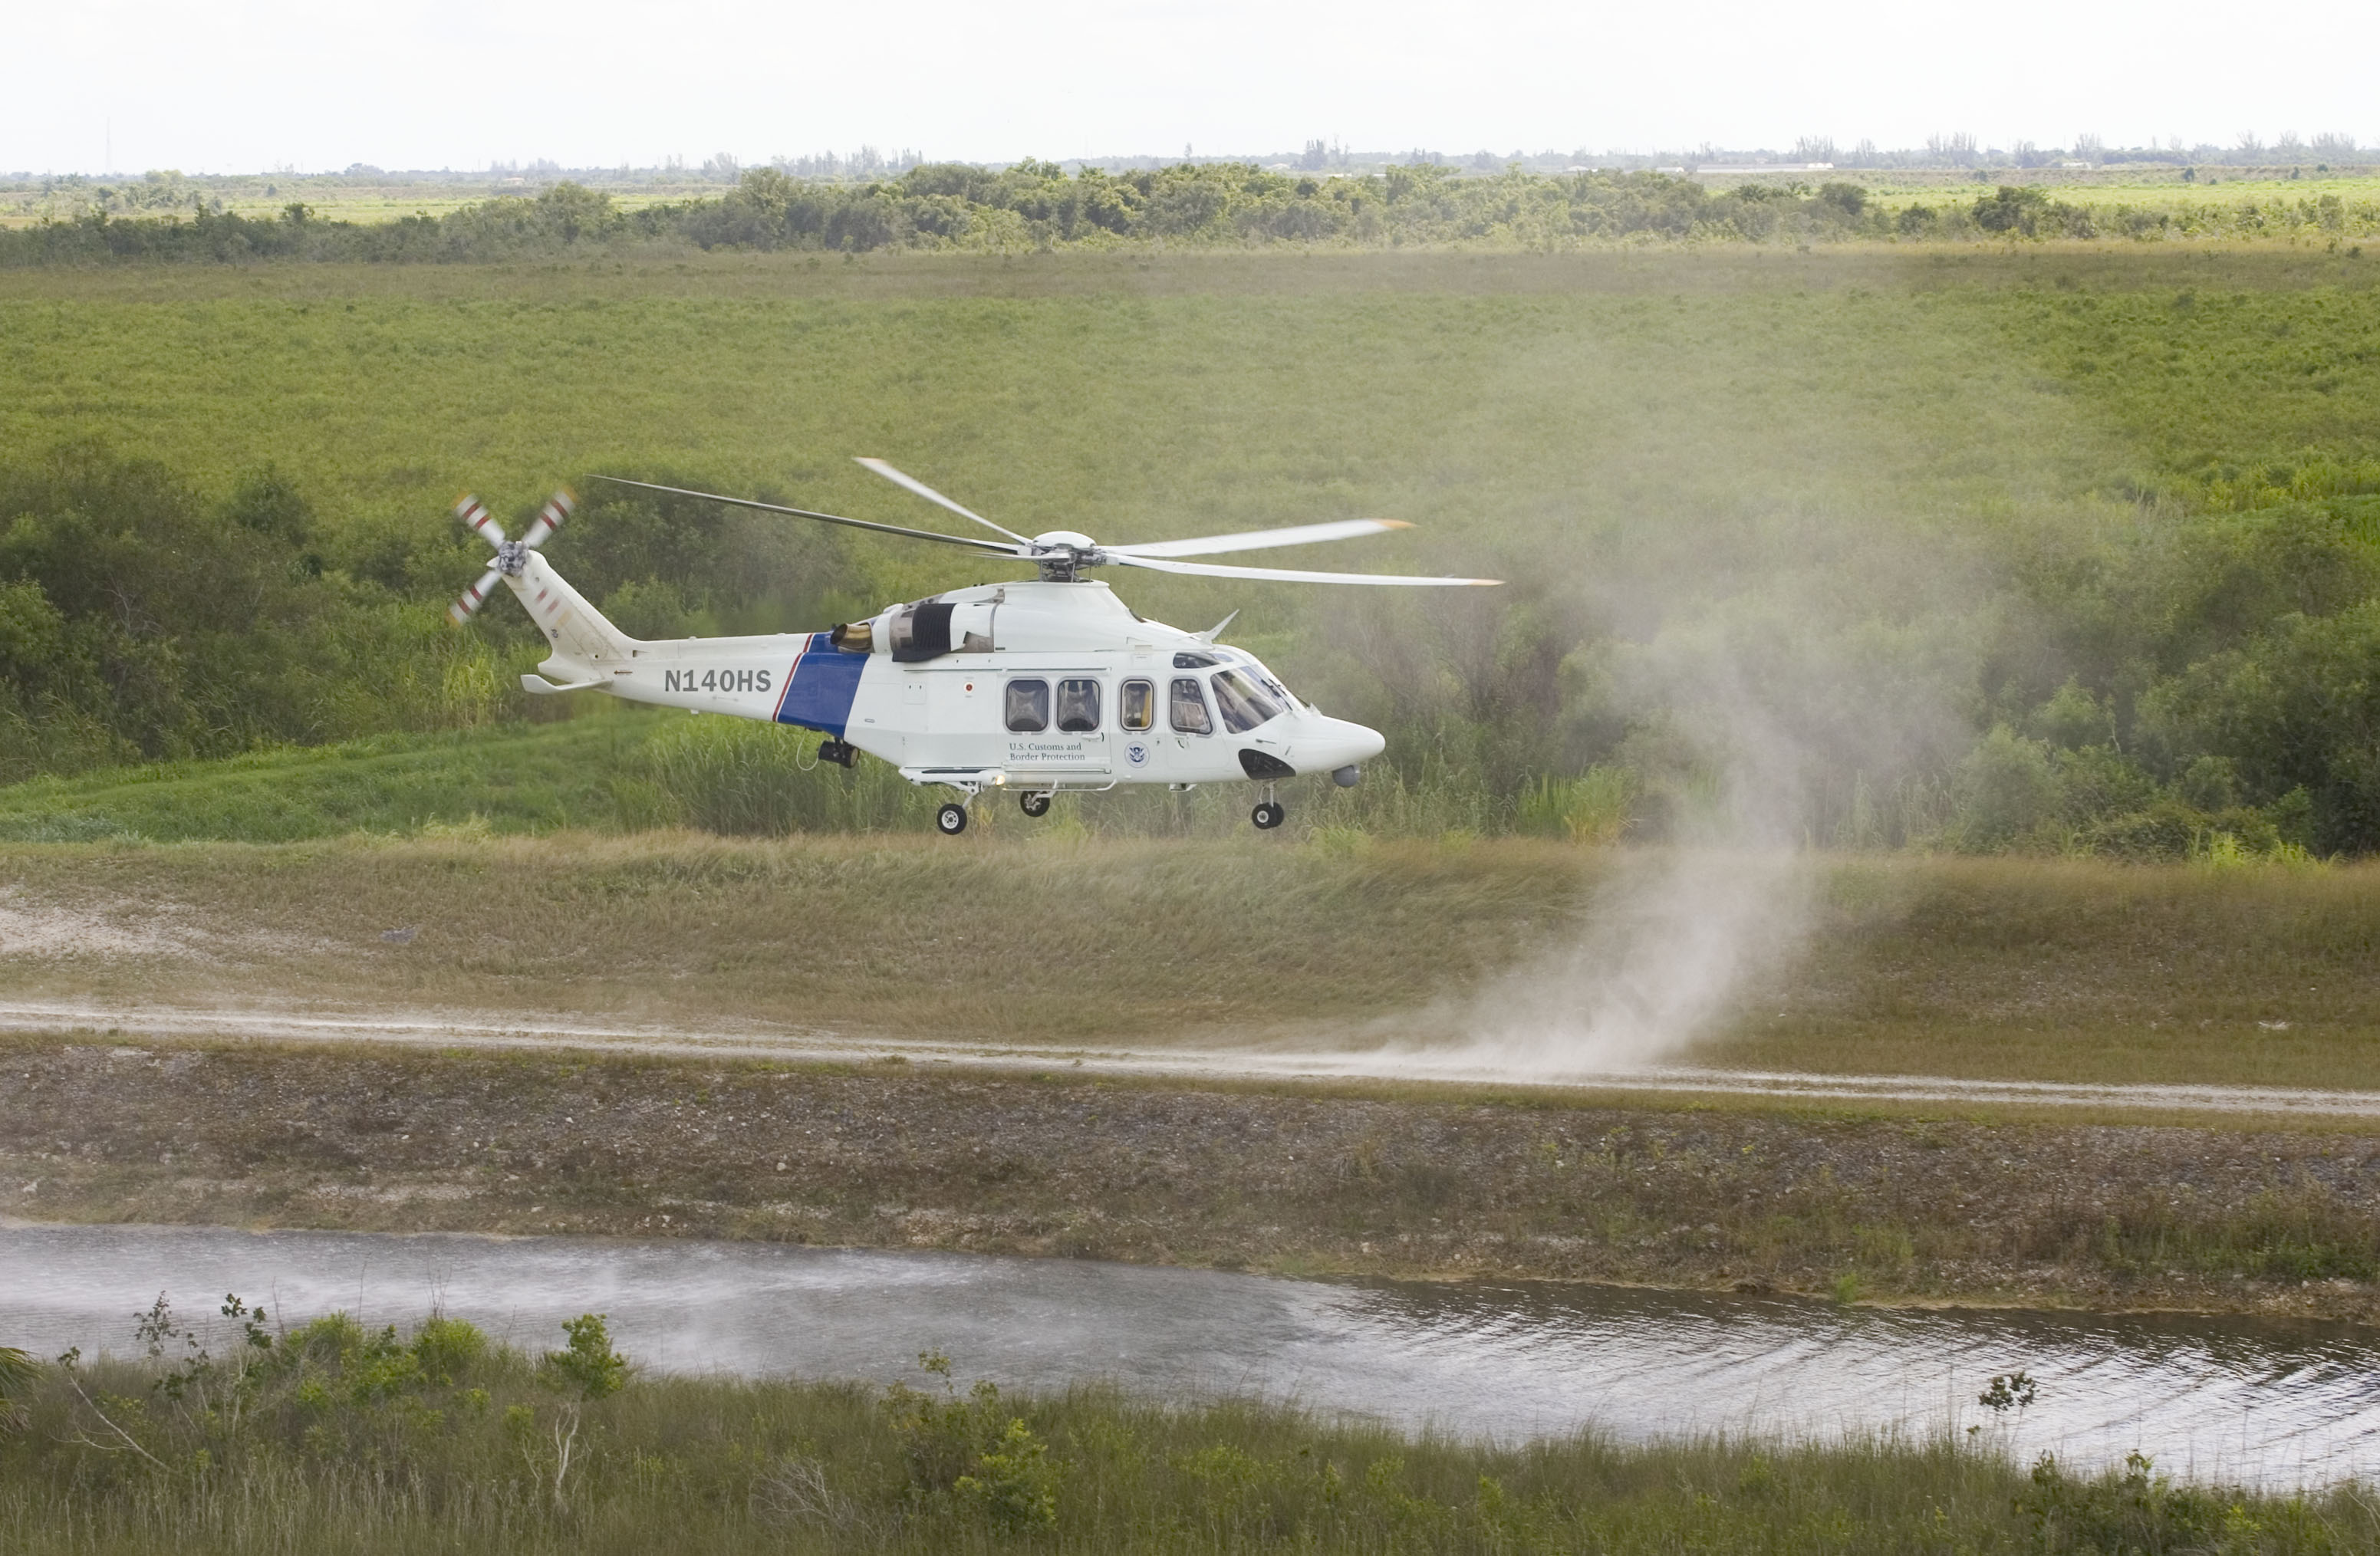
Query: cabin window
x=1190 y=707
x=1028 y=707
x=1078 y=706
x=1137 y=704
x=1244 y=703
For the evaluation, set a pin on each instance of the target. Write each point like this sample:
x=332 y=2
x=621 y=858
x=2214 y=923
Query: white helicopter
x=1045 y=687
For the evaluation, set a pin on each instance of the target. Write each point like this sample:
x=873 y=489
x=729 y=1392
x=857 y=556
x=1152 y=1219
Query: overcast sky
x=246 y=85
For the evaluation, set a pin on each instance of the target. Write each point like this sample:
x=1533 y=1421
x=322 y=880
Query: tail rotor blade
x=467 y=606
x=476 y=517
x=557 y=509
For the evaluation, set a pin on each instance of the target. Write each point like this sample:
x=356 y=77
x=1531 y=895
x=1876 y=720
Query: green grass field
x=1501 y=402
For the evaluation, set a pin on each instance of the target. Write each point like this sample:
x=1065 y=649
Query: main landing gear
x=842 y=753
x=1268 y=815
x=1033 y=804
x=950 y=819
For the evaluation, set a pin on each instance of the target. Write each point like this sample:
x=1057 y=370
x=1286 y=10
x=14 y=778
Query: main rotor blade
x=967 y=541
x=1281 y=575
x=929 y=494
x=1260 y=539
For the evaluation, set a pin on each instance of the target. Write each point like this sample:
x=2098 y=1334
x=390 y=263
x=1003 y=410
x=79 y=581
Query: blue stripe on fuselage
x=819 y=689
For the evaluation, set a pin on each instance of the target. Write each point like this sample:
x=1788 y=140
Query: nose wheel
x=1268 y=815
x=950 y=819
x=1033 y=804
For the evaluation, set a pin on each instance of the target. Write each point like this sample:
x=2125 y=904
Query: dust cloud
x=1674 y=935
x=1762 y=532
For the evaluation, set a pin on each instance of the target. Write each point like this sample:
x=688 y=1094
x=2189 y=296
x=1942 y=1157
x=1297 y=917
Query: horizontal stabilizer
x=538 y=686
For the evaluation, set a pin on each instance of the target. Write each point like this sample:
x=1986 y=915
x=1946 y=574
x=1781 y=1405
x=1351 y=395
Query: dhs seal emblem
x=1136 y=754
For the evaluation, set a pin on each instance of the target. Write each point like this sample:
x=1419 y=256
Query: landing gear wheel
x=1033 y=805
x=951 y=819
x=1268 y=815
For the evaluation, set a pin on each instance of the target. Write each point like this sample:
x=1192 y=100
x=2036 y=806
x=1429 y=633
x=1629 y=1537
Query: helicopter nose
x=1335 y=743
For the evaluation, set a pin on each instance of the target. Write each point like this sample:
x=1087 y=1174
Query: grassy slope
x=519 y=778
x=1974 y=968
x=1506 y=401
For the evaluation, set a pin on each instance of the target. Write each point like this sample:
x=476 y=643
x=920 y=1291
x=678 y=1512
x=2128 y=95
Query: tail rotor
x=510 y=554
x=557 y=508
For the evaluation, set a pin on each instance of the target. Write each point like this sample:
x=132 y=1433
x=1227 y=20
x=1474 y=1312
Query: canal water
x=2270 y=1404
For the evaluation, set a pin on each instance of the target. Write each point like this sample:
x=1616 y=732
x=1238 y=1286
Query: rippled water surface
x=2271 y=1403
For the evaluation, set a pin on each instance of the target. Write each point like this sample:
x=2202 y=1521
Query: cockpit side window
x=1190 y=707
x=1028 y=707
x=1078 y=706
x=1245 y=704
x=1137 y=704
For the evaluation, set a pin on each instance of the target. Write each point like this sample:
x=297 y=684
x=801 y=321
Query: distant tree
x=1957 y=149
x=2011 y=207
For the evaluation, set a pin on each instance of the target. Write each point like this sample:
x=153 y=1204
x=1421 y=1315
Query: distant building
x=1715 y=170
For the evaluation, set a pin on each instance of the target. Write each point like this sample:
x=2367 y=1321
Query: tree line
x=1039 y=205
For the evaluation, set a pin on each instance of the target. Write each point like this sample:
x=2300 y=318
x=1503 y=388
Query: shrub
x=1013 y=1484
x=450 y=1349
x=2007 y=791
x=588 y=1363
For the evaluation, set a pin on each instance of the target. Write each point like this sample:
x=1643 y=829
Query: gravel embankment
x=1890 y=1209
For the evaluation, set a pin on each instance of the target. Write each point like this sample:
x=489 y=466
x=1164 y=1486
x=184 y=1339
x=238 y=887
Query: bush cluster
x=140 y=621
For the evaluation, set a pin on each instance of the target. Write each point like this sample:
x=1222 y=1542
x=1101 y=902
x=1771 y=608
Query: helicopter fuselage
x=1037 y=687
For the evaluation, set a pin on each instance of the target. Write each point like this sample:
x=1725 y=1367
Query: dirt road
x=1452 y=1066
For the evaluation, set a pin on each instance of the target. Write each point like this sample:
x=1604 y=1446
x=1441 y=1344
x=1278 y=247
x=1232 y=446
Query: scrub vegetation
x=1973 y=551
x=328 y=1436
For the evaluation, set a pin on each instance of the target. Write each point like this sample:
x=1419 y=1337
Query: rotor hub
x=511 y=557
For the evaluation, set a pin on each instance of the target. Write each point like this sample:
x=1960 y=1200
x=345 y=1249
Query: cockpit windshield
x=1243 y=703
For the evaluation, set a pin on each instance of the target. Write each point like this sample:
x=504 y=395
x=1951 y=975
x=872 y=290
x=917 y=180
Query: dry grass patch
x=1983 y=968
